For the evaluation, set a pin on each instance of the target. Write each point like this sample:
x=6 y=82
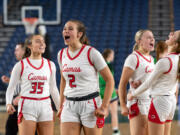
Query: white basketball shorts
x=80 y=111
x=35 y=110
x=162 y=109
x=137 y=106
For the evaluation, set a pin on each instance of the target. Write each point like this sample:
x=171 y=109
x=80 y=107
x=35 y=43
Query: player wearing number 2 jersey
x=79 y=71
x=37 y=78
x=79 y=65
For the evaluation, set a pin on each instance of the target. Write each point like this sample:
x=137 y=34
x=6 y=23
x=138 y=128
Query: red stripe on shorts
x=133 y=110
x=153 y=116
x=20 y=113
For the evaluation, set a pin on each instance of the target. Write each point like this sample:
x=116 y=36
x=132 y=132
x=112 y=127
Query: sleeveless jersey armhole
x=61 y=53
x=88 y=55
x=49 y=63
x=22 y=68
x=170 y=65
x=137 y=65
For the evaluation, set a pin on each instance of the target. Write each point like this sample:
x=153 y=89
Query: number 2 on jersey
x=37 y=87
x=71 y=81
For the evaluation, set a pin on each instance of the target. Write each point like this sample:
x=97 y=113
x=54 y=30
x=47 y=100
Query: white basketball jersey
x=166 y=83
x=144 y=66
x=35 y=80
x=79 y=73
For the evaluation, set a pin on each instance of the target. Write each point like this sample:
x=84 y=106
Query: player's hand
x=124 y=110
x=130 y=96
x=10 y=109
x=101 y=112
x=16 y=100
x=135 y=84
x=5 y=79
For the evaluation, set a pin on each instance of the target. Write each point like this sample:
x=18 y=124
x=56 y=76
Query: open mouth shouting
x=151 y=44
x=66 y=37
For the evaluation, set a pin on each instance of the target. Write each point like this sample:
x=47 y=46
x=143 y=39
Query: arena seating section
x=110 y=24
x=176 y=14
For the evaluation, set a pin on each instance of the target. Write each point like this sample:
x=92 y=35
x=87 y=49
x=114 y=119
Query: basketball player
x=108 y=55
x=37 y=77
x=79 y=64
x=137 y=66
x=11 y=124
x=161 y=51
x=163 y=81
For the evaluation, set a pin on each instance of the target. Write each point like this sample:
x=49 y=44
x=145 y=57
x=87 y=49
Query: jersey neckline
x=72 y=58
x=173 y=53
x=144 y=57
x=37 y=68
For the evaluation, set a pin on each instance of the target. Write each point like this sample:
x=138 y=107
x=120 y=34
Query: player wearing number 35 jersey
x=37 y=78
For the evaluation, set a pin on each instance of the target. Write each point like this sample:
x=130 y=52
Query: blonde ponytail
x=135 y=47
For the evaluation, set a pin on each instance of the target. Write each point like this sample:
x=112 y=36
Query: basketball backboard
x=48 y=12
